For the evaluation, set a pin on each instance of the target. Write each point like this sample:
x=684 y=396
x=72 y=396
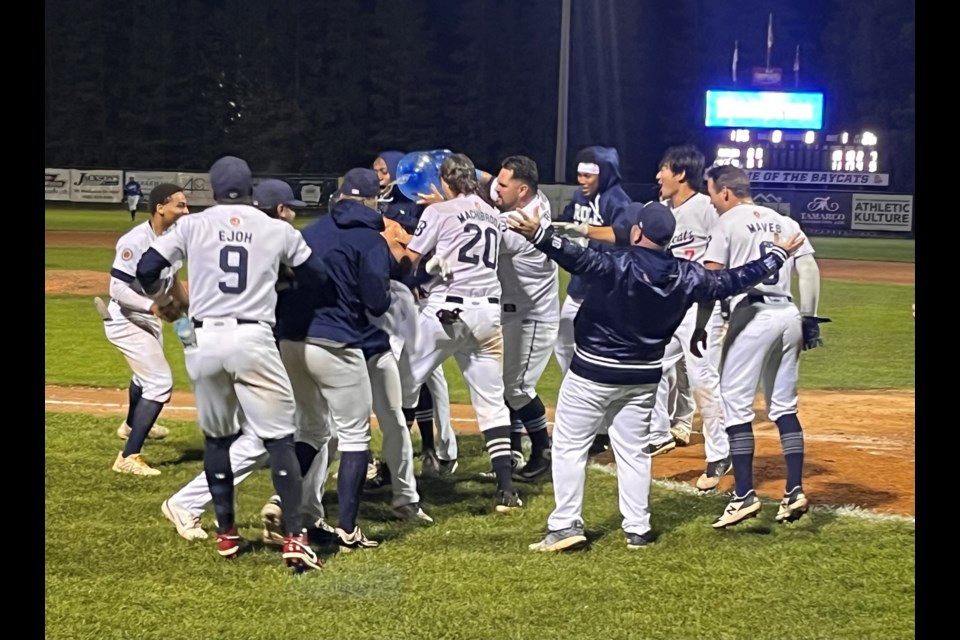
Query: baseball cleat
x=271 y=516
x=738 y=510
x=534 y=469
x=157 y=432
x=187 y=524
x=660 y=448
x=321 y=533
x=714 y=473
x=429 y=464
x=134 y=465
x=230 y=544
x=448 y=468
x=507 y=502
x=355 y=540
x=680 y=436
x=412 y=512
x=640 y=540
x=299 y=555
x=559 y=540
x=793 y=506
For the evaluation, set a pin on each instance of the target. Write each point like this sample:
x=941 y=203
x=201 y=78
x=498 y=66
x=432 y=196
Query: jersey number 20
x=239 y=255
x=489 y=252
x=774 y=277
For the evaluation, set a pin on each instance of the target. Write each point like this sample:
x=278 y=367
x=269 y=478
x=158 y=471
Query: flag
x=736 y=46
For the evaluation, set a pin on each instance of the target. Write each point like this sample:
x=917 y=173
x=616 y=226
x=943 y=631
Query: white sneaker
x=157 y=432
x=355 y=540
x=133 y=464
x=187 y=524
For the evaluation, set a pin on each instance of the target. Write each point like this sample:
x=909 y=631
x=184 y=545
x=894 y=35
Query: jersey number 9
x=237 y=255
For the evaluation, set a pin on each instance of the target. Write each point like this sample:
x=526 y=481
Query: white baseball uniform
x=695 y=218
x=466 y=232
x=234 y=256
x=764 y=337
x=132 y=329
x=531 y=309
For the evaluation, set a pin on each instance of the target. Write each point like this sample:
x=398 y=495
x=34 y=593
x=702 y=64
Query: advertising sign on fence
x=882 y=212
x=56 y=184
x=196 y=186
x=96 y=185
x=149 y=179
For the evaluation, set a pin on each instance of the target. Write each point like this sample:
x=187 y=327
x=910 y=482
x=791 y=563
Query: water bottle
x=183 y=327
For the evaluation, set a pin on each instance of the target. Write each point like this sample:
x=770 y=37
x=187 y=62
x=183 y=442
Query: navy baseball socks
x=534 y=418
x=216 y=467
x=134 y=394
x=424 y=417
x=741 y=452
x=305 y=455
x=791 y=441
x=144 y=415
x=350 y=479
x=498 y=446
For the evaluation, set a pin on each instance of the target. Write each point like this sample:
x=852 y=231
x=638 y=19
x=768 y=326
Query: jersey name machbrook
x=477 y=214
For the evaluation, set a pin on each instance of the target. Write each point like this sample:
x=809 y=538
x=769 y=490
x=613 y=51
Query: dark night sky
x=327 y=85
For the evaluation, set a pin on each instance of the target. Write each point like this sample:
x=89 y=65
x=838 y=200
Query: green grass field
x=117 y=569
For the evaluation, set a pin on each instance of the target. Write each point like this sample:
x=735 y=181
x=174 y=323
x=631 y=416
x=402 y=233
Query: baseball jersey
x=529 y=279
x=745 y=233
x=466 y=232
x=234 y=253
x=695 y=217
x=130 y=247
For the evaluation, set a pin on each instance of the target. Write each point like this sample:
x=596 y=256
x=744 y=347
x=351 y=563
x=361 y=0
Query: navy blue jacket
x=605 y=209
x=636 y=298
x=394 y=204
x=358 y=269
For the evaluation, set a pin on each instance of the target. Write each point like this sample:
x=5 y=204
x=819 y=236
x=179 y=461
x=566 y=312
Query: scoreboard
x=783 y=131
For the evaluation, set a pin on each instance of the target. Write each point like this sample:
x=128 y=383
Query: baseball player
x=531 y=311
x=132 y=194
x=679 y=177
x=600 y=201
x=437 y=458
x=132 y=324
x=462 y=314
x=635 y=300
x=234 y=253
x=358 y=259
x=764 y=338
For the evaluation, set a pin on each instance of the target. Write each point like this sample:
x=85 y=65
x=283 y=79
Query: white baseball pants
x=397 y=445
x=704 y=377
x=340 y=375
x=237 y=366
x=142 y=348
x=527 y=347
x=763 y=344
x=446 y=439
x=563 y=349
x=582 y=407
x=476 y=342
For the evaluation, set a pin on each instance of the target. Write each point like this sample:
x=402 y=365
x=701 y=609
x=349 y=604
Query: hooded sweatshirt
x=604 y=209
x=358 y=264
x=395 y=205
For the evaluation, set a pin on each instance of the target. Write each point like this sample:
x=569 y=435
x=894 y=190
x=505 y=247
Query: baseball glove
x=170 y=311
x=811 y=332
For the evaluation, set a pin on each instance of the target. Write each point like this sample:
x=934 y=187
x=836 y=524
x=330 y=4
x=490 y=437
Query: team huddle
x=294 y=339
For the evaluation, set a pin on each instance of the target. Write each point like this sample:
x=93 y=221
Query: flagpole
x=769 y=39
x=736 y=46
x=796 y=68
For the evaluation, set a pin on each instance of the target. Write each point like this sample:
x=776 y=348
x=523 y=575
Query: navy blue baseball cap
x=360 y=183
x=655 y=220
x=271 y=192
x=230 y=178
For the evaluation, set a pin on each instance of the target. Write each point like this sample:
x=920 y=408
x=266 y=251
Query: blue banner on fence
x=841 y=212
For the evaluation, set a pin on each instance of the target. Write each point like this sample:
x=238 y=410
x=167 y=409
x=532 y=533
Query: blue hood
x=348 y=214
x=608 y=160
x=392 y=158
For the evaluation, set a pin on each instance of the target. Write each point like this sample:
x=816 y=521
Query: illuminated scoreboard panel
x=793 y=150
